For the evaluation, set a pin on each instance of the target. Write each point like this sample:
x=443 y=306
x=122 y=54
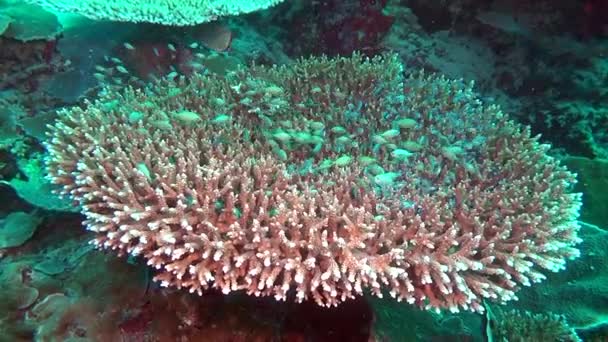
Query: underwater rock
x=5 y=21
x=8 y=124
x=17 y=293
x=28 y=22
x=35 y=189
x=17 y=228
x=592 y=177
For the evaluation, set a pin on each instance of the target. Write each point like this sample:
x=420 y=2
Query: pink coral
x=319 y=180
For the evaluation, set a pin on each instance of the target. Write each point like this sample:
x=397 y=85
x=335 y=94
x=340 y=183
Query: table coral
x=167 y=12
x=318 y=180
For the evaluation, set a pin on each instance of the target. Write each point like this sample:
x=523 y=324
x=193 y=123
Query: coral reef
x=55 y=288
x=32 y=186
x=166 y=12
x=27 y=23
x=542 y=61
x=337 y=27
x=521 y=54
x=579 y=111
x=579 y=293
x=518 y=326
x=322 y=178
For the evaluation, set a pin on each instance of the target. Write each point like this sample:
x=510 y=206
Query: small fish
x=366 y=160
x=156 y=53
x=317 y=148
x=109 y=106
x=281 y=154
x=273 y=144
x=338 y=130
x=343 y=140
x=164 y=125
x=128 y=46
x=303 y=137
x=412 y=146
x=452 y=152
x=391 y=133
x=193 y=45
x=282 y=136
x=343 y=160
x=375 y=169
x=198 y=66
x=116 y=60
x=135 y=116
x=215 y=36
x=186 y=116
x=406 y=123
x=171 y=47
x=401 y=154
x=315 y=90
x=222 y=118
x=174 y=91
x=274 y=90
x=143 y=168
x=380 y=140
x=122 y=69
x=326 y=164
x=172 y=74
x=315 y=139
x=316 y=125
x=386 y=178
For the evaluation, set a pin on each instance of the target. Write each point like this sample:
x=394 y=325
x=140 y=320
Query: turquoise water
x=303 y=171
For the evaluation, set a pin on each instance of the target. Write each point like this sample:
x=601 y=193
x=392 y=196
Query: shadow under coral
x=59 y=288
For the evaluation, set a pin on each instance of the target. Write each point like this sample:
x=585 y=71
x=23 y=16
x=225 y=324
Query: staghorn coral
x=166 y=12
x=319 y=180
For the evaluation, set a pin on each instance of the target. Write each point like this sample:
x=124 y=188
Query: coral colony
x=166 y=12
x=319 y=181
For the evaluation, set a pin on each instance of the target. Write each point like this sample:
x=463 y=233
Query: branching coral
x=524 y=326
x=318 y=180
x=167 y=12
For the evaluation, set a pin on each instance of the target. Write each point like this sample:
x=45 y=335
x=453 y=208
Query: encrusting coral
x=318 y=180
